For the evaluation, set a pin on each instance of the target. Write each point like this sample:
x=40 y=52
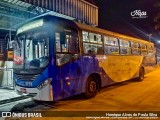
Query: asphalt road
x=126 y=96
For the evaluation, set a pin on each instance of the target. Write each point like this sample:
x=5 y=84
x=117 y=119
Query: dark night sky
x=115 y=15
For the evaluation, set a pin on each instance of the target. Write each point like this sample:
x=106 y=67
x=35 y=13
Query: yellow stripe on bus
x=120 y=68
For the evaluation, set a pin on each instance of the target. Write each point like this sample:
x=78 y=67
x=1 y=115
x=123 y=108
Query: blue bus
x=55 y=58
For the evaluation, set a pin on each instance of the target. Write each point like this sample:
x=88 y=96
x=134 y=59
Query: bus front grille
x=27 y=77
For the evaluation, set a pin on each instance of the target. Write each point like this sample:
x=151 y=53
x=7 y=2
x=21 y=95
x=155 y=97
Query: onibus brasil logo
x=139 y=14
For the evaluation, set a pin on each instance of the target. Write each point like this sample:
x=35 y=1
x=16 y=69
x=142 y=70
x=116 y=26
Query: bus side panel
x=90 y=66
x=105 y=79
x=112 y=69
x=120 y=68
x=67 y=79
x=71 y=74
x=72 y=77
x=57 y=85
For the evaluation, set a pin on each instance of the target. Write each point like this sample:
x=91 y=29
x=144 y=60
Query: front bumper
x=45 y=94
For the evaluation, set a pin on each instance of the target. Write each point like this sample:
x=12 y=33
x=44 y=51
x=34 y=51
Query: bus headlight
x=44 y=84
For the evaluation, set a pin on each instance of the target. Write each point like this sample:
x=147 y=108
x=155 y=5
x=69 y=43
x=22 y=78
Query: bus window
x=99 y=38
x=95 y=38
x=125 y=47
x=110 y=41
x=68 y=49
x=65 y=44
x=73 y=43
x=86 y=47
x=61 y=47
x=111 y=50
x=57 y=39
x=70 y=45
x=144 y=49
x=85 y=36
x=92 y=48
x=150 y=49
x=111 y=45
x=99 y=49
x=34 y=46
x=135 y=48
x=92 y=38
x=94 y=45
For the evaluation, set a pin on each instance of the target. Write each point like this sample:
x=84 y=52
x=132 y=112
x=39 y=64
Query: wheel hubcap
x=92 y=86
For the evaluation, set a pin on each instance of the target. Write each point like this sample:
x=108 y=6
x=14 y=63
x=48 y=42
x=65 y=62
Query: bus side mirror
x=62 y=38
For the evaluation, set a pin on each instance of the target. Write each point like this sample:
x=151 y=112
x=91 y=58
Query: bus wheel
x=141 y=74
x=91 y=88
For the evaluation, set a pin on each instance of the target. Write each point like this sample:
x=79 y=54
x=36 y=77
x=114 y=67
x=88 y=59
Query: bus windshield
x=31 y=50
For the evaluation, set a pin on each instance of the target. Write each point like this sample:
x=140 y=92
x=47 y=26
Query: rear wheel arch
x=93 y=84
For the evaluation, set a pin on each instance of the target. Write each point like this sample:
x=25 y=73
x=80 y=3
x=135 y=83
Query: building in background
x=13 y=13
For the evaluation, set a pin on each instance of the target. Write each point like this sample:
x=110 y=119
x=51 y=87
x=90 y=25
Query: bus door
x=69 y=63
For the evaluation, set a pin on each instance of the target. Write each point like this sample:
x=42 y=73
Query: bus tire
x=91 y=87
x=141 y=74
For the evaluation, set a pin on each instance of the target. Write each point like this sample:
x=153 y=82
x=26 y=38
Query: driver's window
x=67 y=47
x=57 y=39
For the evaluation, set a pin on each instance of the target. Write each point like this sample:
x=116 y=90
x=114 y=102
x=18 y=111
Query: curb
x=13 y=99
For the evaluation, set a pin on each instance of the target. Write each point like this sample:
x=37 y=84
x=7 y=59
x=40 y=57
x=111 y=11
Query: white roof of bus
x=102 y=31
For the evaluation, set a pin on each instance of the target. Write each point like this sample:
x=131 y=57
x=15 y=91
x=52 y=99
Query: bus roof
x=106 y=32
x=95 y=29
